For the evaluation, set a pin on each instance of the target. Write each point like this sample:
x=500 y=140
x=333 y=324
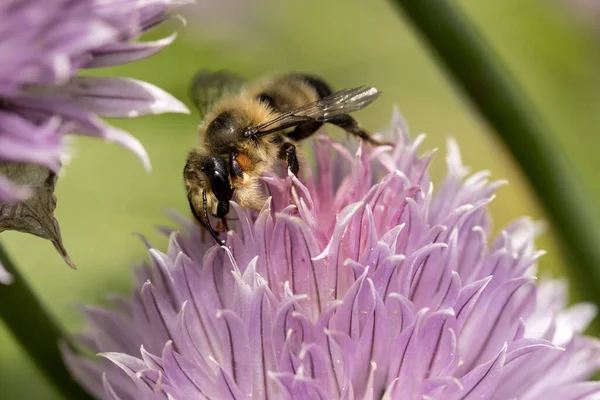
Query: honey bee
x=247 y=128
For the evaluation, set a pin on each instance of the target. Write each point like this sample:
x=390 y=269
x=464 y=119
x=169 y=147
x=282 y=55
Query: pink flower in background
x=356 y=281
x=43 y=44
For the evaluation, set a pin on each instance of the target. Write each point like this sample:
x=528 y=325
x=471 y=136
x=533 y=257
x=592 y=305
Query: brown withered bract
x=247 y=128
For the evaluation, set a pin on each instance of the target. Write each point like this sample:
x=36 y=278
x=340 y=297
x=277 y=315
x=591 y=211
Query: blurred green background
x=105 y=195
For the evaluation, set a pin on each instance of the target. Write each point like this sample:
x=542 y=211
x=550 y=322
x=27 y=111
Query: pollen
x=246 y=164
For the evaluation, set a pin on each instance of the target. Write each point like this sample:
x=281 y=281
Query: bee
x=247 y=128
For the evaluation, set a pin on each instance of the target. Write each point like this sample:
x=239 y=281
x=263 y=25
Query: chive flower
x=356 y=281
x=43 y=44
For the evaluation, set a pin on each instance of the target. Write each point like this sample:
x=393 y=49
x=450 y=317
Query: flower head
x=356 y=281
x=43 y=44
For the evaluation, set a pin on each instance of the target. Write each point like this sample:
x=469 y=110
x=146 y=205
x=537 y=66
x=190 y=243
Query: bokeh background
x=105 y=195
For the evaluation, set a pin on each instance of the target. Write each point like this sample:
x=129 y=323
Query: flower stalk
x=35 y=330
x=490 y=88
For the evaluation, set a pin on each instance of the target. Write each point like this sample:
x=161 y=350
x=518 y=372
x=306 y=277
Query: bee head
x=210 y=173
x=207 y=179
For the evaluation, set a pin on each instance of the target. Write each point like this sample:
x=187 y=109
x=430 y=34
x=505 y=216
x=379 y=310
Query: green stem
x=475 y=69
x=33 y=327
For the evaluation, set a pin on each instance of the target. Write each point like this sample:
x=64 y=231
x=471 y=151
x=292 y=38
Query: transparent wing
x=338 y=103
x=209 y=86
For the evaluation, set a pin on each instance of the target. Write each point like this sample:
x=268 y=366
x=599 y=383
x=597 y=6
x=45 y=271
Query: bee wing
x=209 y=86
x=338 y=103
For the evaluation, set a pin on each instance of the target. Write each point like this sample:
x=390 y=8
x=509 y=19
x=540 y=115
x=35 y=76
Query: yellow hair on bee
x=246 y=112
x=250 y=193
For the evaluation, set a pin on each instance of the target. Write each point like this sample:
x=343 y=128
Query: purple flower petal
x=575 y=391
x=126 y=52
x=481 y=382
x=120 y=97
x=188 y=378
x=109 y=390
x=516 y=376
x=81 y=120
x=24 y=141
x=86 y=373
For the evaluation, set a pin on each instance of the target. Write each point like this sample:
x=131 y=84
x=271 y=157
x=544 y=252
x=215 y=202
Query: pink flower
x=357 y=281
x=43 y=45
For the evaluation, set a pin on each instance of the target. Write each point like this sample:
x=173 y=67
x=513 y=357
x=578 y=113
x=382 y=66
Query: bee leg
x=222 y=225
x=207 y=224
x=305 y=130
x=204 y=221
x=351 y=126
x=288 y=153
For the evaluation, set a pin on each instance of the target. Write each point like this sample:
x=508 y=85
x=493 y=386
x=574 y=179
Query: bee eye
x=220 y=186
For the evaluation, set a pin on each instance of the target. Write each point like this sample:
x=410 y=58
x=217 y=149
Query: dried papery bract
x=35 y=215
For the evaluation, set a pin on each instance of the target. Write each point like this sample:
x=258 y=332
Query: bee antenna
x=213 y=233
